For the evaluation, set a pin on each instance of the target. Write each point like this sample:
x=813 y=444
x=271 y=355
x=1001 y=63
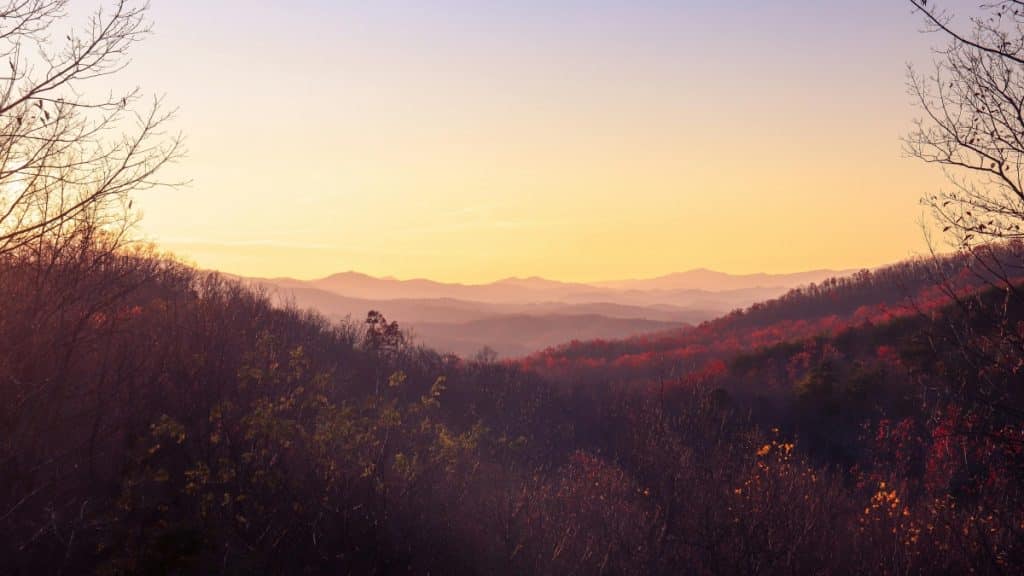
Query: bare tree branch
x=68 y=157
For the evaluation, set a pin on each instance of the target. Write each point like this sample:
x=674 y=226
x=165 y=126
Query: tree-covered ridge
x=163 y=420
x=912 y=288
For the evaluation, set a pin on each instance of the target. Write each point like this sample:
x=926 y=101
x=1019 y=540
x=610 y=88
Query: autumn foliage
x=161 y=420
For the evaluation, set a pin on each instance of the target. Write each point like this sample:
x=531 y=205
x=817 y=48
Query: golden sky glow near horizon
x=469 y=141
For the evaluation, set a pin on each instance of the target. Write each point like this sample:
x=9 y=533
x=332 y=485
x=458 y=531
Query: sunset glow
x=469 y=141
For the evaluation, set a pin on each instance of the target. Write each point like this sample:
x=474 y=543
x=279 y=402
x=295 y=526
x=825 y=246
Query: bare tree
x=973 y=120
x=69 y=158
x=972 y=125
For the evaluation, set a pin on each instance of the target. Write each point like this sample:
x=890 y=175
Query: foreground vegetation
x=161 y=420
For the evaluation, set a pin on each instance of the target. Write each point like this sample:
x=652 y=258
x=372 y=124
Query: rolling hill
x=517 y=316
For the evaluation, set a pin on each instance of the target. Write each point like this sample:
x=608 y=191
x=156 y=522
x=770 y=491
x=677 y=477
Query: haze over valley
x=518 y=316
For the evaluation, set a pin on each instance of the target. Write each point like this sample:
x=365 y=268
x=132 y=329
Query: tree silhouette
x=69 y=158
x=973 y=120
x=973 y=127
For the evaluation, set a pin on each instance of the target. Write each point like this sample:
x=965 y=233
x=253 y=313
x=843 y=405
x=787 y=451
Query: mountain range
x=517 y=316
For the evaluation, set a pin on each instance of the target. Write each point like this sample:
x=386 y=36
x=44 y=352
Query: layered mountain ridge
x=515 y=316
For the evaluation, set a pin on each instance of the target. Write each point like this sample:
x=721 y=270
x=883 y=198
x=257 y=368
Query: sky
x=576 y=140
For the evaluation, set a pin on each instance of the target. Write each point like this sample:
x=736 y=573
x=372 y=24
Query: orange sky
x=468 y=141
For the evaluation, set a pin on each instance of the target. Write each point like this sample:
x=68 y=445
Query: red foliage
x=828 y=309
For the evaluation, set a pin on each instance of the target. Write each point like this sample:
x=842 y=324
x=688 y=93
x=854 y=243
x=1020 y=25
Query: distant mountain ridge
x=522 y=290
x=515 y=316
x=705 y=279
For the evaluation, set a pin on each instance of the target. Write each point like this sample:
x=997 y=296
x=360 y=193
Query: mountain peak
x=348 y=274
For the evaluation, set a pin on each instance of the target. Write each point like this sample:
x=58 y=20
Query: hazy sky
x=576 y=140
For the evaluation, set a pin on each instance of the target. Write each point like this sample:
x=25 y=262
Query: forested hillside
x=163 y=420
x=160 y=419
x=911 y=288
